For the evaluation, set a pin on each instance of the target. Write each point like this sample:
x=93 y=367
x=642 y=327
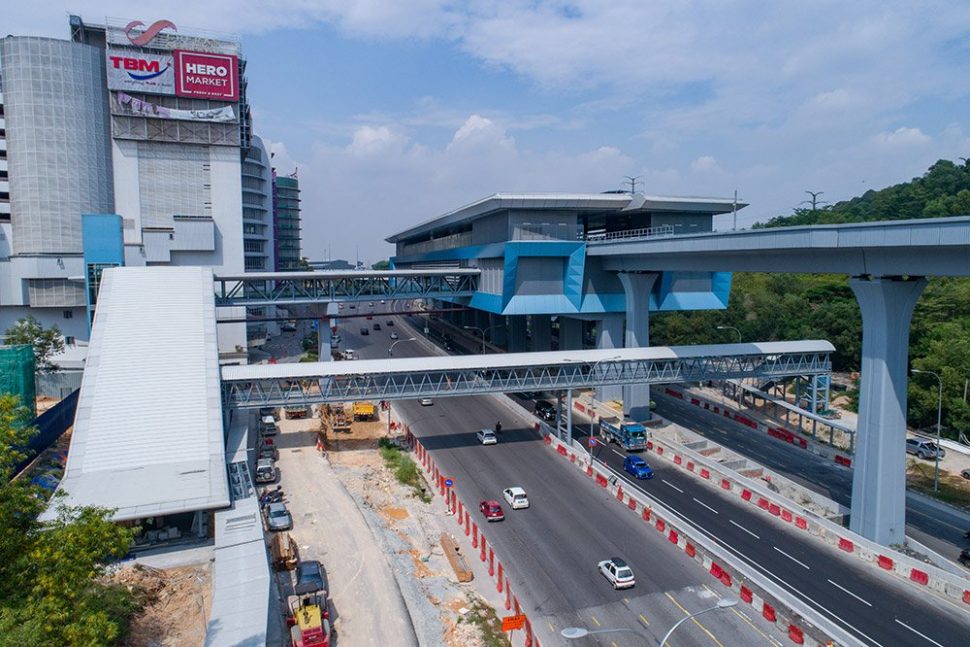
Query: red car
x=492 y=510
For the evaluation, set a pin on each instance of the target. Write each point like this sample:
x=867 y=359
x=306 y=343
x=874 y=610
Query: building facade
x=286 y=222
x=258 y=238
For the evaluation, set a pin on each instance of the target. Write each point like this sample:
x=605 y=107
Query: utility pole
x=735 y=227
x=633 y=182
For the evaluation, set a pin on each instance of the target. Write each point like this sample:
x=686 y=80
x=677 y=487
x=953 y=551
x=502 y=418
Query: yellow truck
x=364 y=411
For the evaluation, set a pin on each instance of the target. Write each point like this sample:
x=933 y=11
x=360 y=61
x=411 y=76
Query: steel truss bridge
x=283 y=288
x=437 y=377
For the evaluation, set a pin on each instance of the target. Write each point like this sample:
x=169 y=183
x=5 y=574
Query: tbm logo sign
x=138 y=68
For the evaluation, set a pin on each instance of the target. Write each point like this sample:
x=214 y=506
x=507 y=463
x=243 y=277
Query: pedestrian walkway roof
x=147 y=437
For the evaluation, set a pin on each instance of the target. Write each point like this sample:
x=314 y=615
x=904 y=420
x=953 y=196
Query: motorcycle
x=268 y=496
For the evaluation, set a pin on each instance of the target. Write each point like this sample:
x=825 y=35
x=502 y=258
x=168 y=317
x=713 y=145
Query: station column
x=879 y=479
x=609 y=334
x=541 y=333
x=637 y=287
x=499 y=330
x=517 y=330
x=570 y=333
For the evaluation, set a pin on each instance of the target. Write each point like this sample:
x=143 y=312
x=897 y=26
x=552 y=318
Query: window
x=68 y=314
x=69 y=341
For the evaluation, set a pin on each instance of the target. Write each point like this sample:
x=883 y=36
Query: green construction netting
x=17 y=373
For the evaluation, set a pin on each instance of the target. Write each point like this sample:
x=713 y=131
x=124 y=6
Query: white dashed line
x=802 y=564
x=850 y=593
x=705 y=505
x=918 y=633
x=620 y=454
x=744 y=529
x=672 y=485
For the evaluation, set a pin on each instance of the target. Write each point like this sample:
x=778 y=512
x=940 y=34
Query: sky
x=396 y=111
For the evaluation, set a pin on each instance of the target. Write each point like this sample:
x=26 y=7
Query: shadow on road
x=469 y=439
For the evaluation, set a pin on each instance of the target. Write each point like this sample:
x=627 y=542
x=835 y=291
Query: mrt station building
x=538 y=278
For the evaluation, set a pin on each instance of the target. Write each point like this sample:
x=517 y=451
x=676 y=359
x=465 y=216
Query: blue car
x=637 y=467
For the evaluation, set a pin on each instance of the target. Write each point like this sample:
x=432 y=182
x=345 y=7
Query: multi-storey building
x=258 y=239
x=286 y=222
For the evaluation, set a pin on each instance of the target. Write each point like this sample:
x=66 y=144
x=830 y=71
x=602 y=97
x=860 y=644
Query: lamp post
x=482 y=332
x=390 y=352
x=723 y=603
x=738 y=386
x=593 y=373
x=939 y=418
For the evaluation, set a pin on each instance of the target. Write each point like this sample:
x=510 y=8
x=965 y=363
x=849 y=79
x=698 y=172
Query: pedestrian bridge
x=436 y=377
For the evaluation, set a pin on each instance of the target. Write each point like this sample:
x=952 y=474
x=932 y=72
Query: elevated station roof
x=571 y=201
x=148 y=432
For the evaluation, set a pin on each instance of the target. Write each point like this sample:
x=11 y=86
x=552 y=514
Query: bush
x=405 y=470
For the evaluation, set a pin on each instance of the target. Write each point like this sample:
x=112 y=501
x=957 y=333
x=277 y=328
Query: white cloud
x=704 y=164
x=902 y=137
x=369 y=140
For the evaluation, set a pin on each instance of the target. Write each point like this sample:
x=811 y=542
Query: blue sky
x=395 y=111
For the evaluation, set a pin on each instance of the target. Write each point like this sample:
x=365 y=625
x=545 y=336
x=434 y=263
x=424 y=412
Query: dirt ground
x=177 y=602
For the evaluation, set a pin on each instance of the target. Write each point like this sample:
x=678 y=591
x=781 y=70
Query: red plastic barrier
x=468 y=523
x=846 y=545
x=673 y=536
x=461 y=512
x=619 y=493
x=491 y=563
x=768 y=612
x=515 y=602
x=600 y=480
x=547 y=439
x=500 y=579
x=572 y=458
x=646 y=514
x=561 y=449
x=660 y=450
x=649 y=445
x=786 y=515
x=725 y=484
x=918 y=576
x=763 y=503
x=661 y=524
x=803 y=443
x=579 y=407
x=676 y=394
x=690 y=550
x=885 y=562
x=677 y=459
x=483 y=547
x=716 y=570
x=690 y=465
x=528 y=634
x=795 y=635
x=632 y=503
x=705 y=473
x=508 y=595
x=589 y=470
x=774 y=509
x=474 y=535
x=746 y=495
x=717 y=409
x=966 y=597
x=695 y=402
x=454 y=501
x=801 y=523
x=842 y=460
x=746 y=594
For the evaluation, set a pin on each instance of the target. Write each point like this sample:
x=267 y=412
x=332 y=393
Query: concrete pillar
x=637 y=287
x=499 y=331
x=609 y=334
x=879 y=478
x=323 y=340
x=541 y=333
x=570 y=333
x=517 y=330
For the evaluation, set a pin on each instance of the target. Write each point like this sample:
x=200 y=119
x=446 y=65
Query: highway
x=935 y=526
x=551 y=549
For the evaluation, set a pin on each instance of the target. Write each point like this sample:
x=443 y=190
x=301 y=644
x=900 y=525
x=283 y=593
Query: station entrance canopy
x=282 y=288
x=390 y=379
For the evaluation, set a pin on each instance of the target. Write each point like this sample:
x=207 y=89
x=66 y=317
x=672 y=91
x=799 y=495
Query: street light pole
x=939 y=419
x=481 y=332
x=390 y=353
x=721 y=604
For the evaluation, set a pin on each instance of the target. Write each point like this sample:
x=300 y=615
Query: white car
x=394 y=335
x=426 y=402
x=617 y=572
x=516 y=498
x=487 y=437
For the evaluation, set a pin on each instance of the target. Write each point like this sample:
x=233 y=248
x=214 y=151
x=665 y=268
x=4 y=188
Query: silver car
x=278 y=517
x=924 y=448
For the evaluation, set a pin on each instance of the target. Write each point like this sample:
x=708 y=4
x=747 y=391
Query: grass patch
x=953 y=489
x=405 y=470
x=487 y=621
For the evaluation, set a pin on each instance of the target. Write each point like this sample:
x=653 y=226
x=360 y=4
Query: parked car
x=377 y=326
x=266 y=471
x=637 y=467
x=492 y=510
x=289 y=326
x=309 y=577
x=487 y=437
x=268 y=451
x=965 y=473
x=924 y=448
x=619 y=574
x=516 y=497
x=278 y=517
x=350 y=353
x=389 y=322
x=427 y=402
x=364 y=332
x=273 y=412
x=545 y=410
x=267 y=426
x=394 y=335
x=352 y=306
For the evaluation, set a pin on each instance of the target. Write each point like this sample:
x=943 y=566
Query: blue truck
x=630 y=435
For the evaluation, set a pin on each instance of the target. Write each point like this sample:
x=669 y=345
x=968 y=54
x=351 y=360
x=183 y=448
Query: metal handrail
x=644 y=232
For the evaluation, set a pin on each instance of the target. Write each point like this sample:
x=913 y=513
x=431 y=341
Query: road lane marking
x=595 y=621
x=694 y=620
x=644 y=620
x=917 y=632
x=802 y=564
x=672 y=485
x=620 y=454
x=552 y=629
x=626 y=601
x=850 y=593
x=705 y=505
x=735 y=523
x=613 y=644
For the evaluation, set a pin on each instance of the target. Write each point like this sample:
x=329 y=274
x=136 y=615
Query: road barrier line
x=796 y=560
x=735 y=523
x=845 y=590
x=705 y=505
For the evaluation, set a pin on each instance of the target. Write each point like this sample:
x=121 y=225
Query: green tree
x=381 y=265
x=50 y=592
x=47 y=342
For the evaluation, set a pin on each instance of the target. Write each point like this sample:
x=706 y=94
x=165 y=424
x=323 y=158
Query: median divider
x=487 y=554
x=800 y=622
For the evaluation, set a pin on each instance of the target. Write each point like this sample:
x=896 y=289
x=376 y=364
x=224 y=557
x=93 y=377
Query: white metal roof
x=148 y=431
x=583 y=201
x=511 y=360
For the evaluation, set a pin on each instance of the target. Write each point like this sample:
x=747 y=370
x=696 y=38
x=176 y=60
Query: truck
x=632 y=436
x=364 y=411
x=339 y=421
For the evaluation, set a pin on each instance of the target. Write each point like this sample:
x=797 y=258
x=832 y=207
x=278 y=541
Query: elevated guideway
x=309 y=383
x=288 y=288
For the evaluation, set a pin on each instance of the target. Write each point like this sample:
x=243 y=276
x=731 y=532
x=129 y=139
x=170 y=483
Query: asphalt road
x=934 y=526
x=551 y=549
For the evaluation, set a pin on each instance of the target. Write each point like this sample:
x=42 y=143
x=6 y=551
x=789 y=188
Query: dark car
x=364 y=331
x=964 y=557
x=637 y=467
x=309 y=578
x=389 y=322
x=545 y=410
x=377 y=326
x=492 y=510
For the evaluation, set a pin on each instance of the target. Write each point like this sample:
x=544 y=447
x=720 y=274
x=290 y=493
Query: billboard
x=206 y=76
x=134 y=71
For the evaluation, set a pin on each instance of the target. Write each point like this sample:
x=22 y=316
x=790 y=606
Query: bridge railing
x=659 y=231
x=328 y=386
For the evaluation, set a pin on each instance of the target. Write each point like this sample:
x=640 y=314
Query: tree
x=46 y=342
x=50 y=592
x=303 y=265
x=381 y=265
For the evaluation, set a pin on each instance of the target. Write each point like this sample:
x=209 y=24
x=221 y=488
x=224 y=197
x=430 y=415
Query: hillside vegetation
x=821 y=306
